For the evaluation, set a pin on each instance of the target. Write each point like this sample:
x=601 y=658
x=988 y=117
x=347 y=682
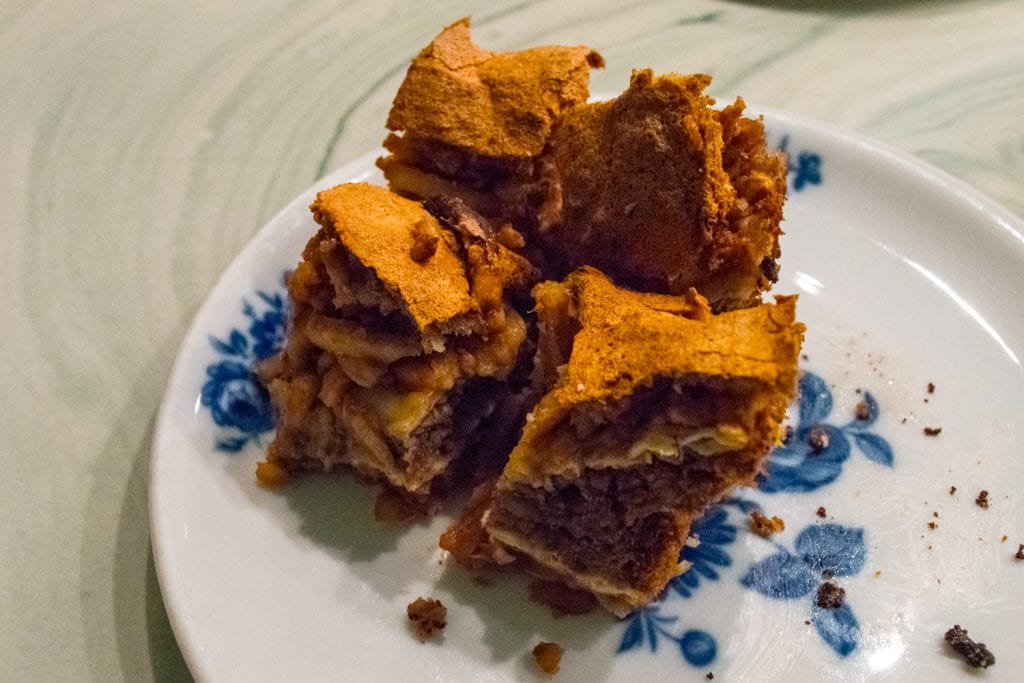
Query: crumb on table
x=765 y=526
x=427 y=616
x=548 y=657
x=982 y=499
x=975 y=654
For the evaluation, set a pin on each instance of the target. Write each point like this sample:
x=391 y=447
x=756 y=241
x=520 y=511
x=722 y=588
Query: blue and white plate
x=907 y=279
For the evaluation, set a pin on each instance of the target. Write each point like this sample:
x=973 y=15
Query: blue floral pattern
x=648 y=626
x=237 y=400
x=814 y=452
x=822 y=552
x=804 y=166
x=712 y=531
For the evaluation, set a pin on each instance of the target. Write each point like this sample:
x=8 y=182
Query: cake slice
x=467 y=122
x=658 y=407
x=663 y=192
x=401 y=338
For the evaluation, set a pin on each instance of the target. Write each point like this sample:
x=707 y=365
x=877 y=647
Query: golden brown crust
x=495 y=104
x=379 y=229
x=627 y=339
x=647 y=191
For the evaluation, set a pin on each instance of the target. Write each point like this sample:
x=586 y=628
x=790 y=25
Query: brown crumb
x=935 y=513
x=932 y=431
x=765 y=526
x=424 y=245
x=427 y=616
x=975 y=654
x=1004 y=538
x=862 y=411
x=952 y=490
x=903 y=421
x=817 y=439
x=878 y=572
x=803 y=356
x=1020 y=552
x=830 y=596
x=933 y=525
x=821 y=512
x=982 y=499
x=931 y=388
x=548 y=656
x=560 y=598
x=270 y=474
x=807 y=622
x=710 y=676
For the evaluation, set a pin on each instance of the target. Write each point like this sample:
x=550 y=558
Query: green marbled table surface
x=143 y=143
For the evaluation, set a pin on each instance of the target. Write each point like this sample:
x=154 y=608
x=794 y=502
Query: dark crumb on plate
x=931 y=388
x=560 y=598
x=1004 y=539
x=803 y=356
x=982 y=499
x=933 y=525
x=817 y=439
x=548 y=656
x=427 y=616
x=932 y=431
x=830 y=596
x=821 y=512
x=807 y=622
x=903 y=421
x=935 y=513
x=710 y=676
x=1020 y=552
x=862 y=411
x=765 y=526
x=975 y=654
x=878 y=572
x=952 y=490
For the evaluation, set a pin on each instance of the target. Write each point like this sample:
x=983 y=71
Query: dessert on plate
x=400 y=340
x=658 y=407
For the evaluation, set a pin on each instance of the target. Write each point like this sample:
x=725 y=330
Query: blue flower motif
x=824 y=550
x=804 y=168
x=237 y=400
x=714 y=531
x=648 y=625
x=813 y=454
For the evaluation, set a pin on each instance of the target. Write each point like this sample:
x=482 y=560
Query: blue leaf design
x=838 y=627
x=652 y=633
x=832 y=548
x=781 y=577
x=875 y=448
x=698 y=648
x=221 y=347
x=232 y=444
x=633 y=636
x=239 y=343
x=815 y=399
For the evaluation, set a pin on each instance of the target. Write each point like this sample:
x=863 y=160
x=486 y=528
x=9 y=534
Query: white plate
x=906 y=277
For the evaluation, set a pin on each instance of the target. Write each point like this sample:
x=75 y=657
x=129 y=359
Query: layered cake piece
x=401 y=340
x=469 y=123
x=657 y=408
x=664 y=193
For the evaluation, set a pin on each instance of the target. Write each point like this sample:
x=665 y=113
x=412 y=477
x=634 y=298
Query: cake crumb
x=935 y=513
x=975 y=654
x=424 y=241
x=952 y=490
x=931 y=388
x=509 y=237
x=862 y=411
x=878 y=572
x=270 y=474
x=1004 y=538
x=765 y=526
x=1020 y=552
x=982 y=499
x=830 y=596
x=427 y=616
x=548 y=657
x=817 y=439
x=932 y=431
x=821 y=512
x=710 y=676
x=933 y=525
x=903 y=421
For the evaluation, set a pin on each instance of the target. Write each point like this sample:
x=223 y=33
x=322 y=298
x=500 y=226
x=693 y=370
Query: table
x=145 y=142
